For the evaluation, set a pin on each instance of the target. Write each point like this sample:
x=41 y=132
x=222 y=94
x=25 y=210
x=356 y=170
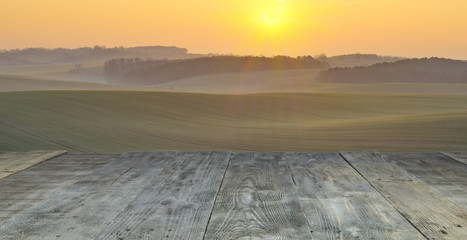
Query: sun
x=274 y=12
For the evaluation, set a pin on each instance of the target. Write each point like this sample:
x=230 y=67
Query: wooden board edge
x=58 y=153
x=447 y=154
x=418 y=226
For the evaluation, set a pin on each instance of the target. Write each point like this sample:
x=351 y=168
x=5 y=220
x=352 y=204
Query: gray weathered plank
x=13 y=162
x=458 y=156
x=442 y=173
x=375 y=167
x=28 y=188
x=177 y=203
x=435 y=216
x=258 y=200
x=341 y=204
x=84 y=209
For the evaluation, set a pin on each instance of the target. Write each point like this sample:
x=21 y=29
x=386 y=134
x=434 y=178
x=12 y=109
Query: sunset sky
x=414 y=28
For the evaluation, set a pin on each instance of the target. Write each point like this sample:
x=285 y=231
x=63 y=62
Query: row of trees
x=137 y=71
x=426 y=70
x=358 y=56
x=117 y=67
x=44 y=55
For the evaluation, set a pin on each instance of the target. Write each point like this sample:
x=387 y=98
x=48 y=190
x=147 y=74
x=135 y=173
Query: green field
x=298 y=81
x=119 y=121
x=11 y=83
x=278 y=81
x=57 y=71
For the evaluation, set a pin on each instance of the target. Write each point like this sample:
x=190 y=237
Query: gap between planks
x=15 y=162
x=258 y=200
x=433 y=215
x=340 y=204
x=217 y=194
x=457 y=156
x=395 y=207
x=223 y=175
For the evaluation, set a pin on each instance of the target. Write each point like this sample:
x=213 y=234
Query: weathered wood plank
x=258 y=200
x=458 y=156
x=442 y=173
x=177 y=203
x=366 y=162
x=83 y=209
x=435 y=216
x=22 y=191
x=13 y=162
x=341 y=204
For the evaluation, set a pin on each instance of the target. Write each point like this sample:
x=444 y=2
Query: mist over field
x=233 y=119
x=160 y=98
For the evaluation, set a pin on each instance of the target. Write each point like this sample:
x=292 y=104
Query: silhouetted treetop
x=426 y=70
x=96 y=53
x=128 y=71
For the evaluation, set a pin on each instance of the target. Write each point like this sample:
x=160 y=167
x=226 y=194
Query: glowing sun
x=274 y=13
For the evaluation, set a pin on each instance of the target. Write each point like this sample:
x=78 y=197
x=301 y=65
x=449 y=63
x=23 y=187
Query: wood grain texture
x=170 y=195
x=458 y=156
x=258 y=200
x=84 y=209
x=13 y=162
x=435 y=216
x=23 y=190
x=442 y=173
x=341 y=204
x=375 y=167
x=177 y=203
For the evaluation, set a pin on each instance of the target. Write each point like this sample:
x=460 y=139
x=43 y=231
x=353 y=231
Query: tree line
x=137 y=71
x=101 y=53
x=424 y=70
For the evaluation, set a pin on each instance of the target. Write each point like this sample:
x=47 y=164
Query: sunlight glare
x=274 y=13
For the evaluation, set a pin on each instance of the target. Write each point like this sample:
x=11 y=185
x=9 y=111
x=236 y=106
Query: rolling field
x=57 y=71
x=11 y=83
x=25 y=83
x=119 y=121
x=278 y=81
x=298 y=81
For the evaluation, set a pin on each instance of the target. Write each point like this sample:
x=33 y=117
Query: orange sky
x=412 y=28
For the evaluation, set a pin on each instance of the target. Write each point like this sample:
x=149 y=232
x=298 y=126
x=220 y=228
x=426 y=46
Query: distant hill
x=138 y=72
x=425 y=70
x=88 y=54
x=357 y=59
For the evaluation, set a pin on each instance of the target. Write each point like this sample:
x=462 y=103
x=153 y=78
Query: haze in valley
x=261 y=75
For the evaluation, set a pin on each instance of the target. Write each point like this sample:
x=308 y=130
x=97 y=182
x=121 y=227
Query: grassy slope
x=10 y=83
x=56 y=77
x=297 y=81
x=25 y=83
x=240 y=83
x=99 y=121
x=58 y=72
